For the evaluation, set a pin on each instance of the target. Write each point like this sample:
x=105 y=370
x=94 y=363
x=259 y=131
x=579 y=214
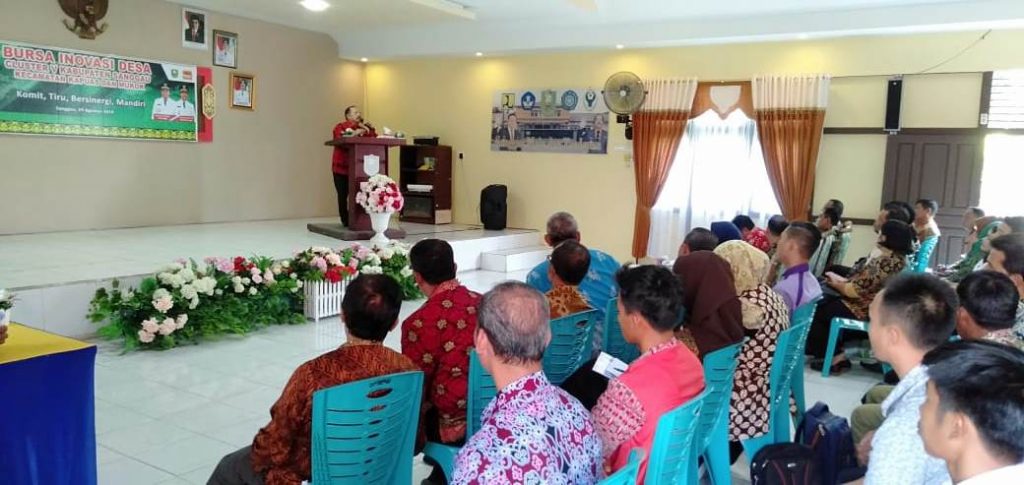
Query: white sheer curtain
x=719 y=172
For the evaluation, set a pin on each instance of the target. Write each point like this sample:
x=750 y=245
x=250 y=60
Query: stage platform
x=56 y=274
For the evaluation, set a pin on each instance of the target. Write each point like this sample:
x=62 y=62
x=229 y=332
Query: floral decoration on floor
x=190 y=300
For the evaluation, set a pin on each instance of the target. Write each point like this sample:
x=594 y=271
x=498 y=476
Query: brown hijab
x=713 y=317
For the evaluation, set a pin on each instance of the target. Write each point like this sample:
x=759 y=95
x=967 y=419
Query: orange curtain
x=656 y=137
x=789 y=140
x=790 y=116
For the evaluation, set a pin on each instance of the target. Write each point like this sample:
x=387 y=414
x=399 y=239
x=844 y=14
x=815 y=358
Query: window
x=718 y=172
x=1005 y=101
x=1001 y=175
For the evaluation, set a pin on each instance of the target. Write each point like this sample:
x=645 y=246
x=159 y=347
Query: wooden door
x=944 y=167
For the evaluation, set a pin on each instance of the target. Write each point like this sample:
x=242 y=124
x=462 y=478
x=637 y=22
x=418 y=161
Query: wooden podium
x=358 y=150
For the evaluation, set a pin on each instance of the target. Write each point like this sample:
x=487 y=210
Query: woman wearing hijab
x=764 y=316
x=726 y=231
x=850 y=297
x=713 y=318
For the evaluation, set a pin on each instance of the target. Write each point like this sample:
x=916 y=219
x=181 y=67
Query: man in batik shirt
x=532 y=432
x=569 y=264
x=437 y=337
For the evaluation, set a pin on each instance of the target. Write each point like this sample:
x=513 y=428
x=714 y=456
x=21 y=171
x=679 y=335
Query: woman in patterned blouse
x=765 y=315
x=850 y=297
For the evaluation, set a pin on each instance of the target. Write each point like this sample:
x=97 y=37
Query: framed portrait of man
x=193 y=29
x=243 y=91
x=225 y=49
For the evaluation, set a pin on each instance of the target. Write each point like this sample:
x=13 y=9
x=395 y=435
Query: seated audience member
x=1007 y=257
x=850 y=297
x=924 y=219
x=280 y=453
x=726 y=231
x=599 y=285
x=988 y=305
x=764 y=316
x=532 y=431
x=569 y=264
x=437 y=338
x=827 y=253
x=894 y=211
x=753 y=235
x=913 y=314
x=713 y=317
x=776 y=225
x=973 y=417
x=698 y=239
x=970 y=222
x=988 y=308
x=798 y=285
x=664 y=377
x=976 y=253
x=836 y=205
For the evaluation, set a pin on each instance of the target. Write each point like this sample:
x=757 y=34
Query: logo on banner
x=508 y=100
x=590 y=99
x=548 y=99
x=529 y=100
x=569 y=100
x=371 y=164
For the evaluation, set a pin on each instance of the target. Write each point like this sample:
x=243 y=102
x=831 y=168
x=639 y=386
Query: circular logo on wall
x=569 y=100
x=528 y=101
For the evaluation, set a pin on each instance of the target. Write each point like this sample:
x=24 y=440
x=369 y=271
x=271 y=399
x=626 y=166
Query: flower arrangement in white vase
x=6 y=303
x=380 y=197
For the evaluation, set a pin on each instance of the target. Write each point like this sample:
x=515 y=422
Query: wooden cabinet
x=426 y=183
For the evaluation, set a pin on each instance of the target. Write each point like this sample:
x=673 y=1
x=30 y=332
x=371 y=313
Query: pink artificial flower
x=225 y=265
x=254 y=271
x=181 y=321
x=168 y=326
x=334 y=259
x=257 y=279
x=163 y=304
x=145 y=337
x=268 y=276
x=319 y=263
x=150 y=325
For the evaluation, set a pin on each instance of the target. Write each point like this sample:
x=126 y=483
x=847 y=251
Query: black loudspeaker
x=893 y=103
x=494 y=207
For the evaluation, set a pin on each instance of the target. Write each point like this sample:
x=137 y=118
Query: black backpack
x=784 y=464
x=830 y=439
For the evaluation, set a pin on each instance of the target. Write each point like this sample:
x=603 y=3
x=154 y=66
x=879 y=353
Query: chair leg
x=833 y=338
x=716 y=459
x=798 y=391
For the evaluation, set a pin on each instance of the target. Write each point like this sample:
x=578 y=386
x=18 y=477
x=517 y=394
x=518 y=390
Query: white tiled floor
x=168 y=417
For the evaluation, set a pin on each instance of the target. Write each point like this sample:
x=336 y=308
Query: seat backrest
x=613 y=342
x=570 y=346
x=364 y=431
x=804 y=313
x=481 y=391
x=819 y=260
x=788 y=349
x=923 y=256
x=673 y=446
x=627 y=474
x=844 y=245
x=719 y=369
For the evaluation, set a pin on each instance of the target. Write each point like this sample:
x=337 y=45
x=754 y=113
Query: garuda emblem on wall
x=86 y=15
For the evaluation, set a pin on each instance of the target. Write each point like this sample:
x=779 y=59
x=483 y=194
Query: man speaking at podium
x=354 y=125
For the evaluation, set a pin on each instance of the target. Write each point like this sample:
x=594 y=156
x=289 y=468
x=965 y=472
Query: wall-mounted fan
x=624 y=95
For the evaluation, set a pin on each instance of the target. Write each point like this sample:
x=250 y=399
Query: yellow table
x=48 y=433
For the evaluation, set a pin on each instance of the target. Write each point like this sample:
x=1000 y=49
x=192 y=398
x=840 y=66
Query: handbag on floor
x=831 y=441
x=784 y=464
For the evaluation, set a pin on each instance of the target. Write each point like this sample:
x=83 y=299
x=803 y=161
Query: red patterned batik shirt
x=437 y=338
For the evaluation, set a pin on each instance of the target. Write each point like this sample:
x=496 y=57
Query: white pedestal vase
x=379 y=223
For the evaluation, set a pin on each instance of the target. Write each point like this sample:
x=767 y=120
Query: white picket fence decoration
x=323 y=298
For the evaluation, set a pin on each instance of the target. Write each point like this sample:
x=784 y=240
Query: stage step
x=513 y=259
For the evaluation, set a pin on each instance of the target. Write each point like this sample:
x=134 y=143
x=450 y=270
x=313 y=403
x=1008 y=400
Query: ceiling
x=383 y=29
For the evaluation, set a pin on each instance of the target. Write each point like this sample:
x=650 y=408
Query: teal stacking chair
x=802 y=315
x=835 y=328
x=923 y=256
x=364 y=431
x=787 y=349
x=711 y=438
x=613 y=343
x=844 y=246
x=672 y=450
x=481 y=391
x=627 y=474
x=571 y=342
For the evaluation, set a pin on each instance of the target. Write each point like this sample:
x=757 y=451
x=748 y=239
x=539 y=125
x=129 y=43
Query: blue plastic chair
x=481 y=391
x=627 y=474
x=672 y=451
x=364 y=431
x=787 y=356
x=838 y=325
x=571 y=342
x=613 y=343
x=711 y=438
x=803 y=315
x=922 y=258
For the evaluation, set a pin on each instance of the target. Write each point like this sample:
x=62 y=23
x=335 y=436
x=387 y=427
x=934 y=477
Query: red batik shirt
x=339 y=164
x=437 y=338
x=280 y=450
